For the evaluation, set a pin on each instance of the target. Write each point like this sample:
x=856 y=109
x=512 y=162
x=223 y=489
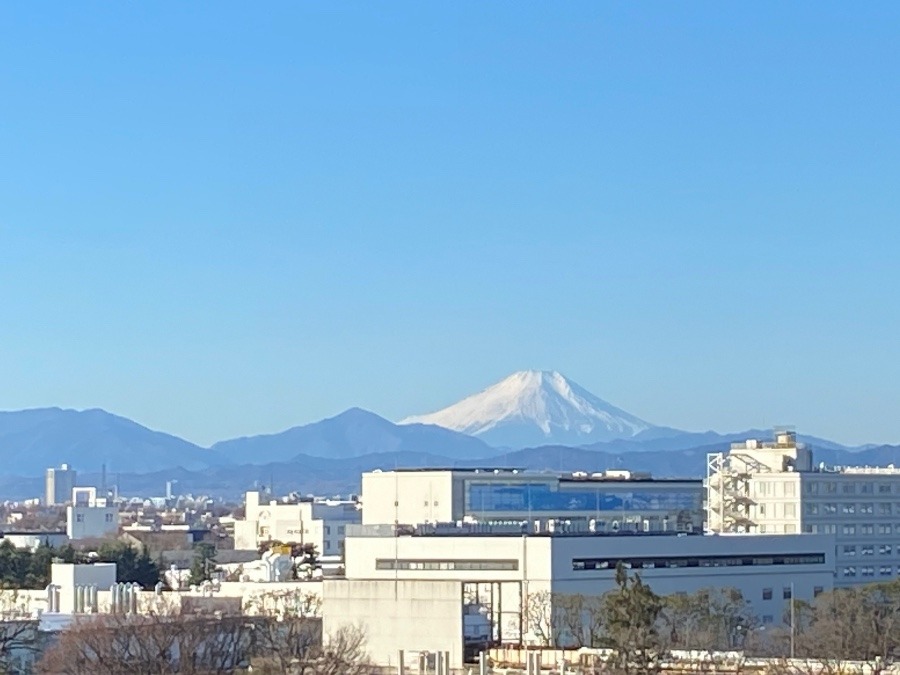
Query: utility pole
x=793 y=631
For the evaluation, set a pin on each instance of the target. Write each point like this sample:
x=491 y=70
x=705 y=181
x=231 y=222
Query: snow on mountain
x=534 y=407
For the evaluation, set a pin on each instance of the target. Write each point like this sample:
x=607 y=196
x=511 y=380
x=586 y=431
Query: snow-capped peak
x=534 y=407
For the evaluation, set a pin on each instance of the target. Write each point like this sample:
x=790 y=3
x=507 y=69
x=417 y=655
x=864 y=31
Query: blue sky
x=222 y=220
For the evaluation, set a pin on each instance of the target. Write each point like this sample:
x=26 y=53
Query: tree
x=288 y=631
x=204 y=563
x=150 y=644
x=712 y=619
x=132 y=566
x=18 y=632
x=632 y=617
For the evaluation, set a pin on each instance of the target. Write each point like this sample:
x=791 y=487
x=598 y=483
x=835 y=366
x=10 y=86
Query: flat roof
x=561 y=476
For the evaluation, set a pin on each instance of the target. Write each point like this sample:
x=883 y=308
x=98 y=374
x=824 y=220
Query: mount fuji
x=536 y=407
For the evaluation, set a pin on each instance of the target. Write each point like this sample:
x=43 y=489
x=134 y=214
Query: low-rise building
x=90 y=516
x=305 y=520
x=460 y=589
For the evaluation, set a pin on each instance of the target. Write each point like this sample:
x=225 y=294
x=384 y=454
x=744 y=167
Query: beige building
x=775 y=488
x=321 y=522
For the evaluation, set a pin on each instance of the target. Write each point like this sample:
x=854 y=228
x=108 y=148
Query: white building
x=58 y=485
x=610 y=501
x=461 y=589
x=33 y=540
x=89 y=516
x=774 y=488
x=321 y=522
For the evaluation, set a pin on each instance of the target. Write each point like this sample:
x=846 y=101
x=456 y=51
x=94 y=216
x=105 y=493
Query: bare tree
x=711 y=619
x=149 y=644
x=18 y=633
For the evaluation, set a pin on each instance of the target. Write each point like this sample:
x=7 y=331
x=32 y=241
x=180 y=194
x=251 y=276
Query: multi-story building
x=463 y=588
x=775 y=488
x=58 y=485
x=603 y=502
x=321 y=522
x=90 y=516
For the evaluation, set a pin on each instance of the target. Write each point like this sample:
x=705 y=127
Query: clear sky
x=229 y=218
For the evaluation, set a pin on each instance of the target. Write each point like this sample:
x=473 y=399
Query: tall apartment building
x=58 y=485
x=775 y=488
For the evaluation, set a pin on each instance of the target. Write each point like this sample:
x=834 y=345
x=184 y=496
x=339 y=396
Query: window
x=867 y=488
x=849 y=489
x=817 y=591
x=109 y=517
x=790 y=529
x=790 y=490
x=867 y=508
x=884 y=528
x=328 y=529
x=767 y=594
x=790 y=510
x=868 y=571
x=79 y=517
x=849 y=571
x=885 y=570
x=884 y=488
x=830 y=528
x=868 y=549
x=767 y=618
x=811 y=488
x=431 y=565
x=848 y=508
x=812 y=509
x=831 y=488
x=849 y=529
x=849 y=550
x=786 y=592
x=884 y=509
x=868 y=528
x=761 y=509
x=341 y=529
x=830 y=508
x=662 y=562
x=885 y=549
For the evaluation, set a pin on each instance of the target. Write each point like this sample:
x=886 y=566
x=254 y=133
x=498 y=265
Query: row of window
x=869 y=549
x=851 y=488
x=656 y=562
x=851 y=530
x=869 y=571
x=404 y=564
x=850 y=508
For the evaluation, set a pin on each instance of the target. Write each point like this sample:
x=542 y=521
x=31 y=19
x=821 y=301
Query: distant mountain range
x=571 y=430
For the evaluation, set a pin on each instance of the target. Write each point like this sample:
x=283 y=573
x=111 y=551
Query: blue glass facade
x=547 y=498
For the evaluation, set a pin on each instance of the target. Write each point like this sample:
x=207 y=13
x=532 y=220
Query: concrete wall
x=91 y=522
x=420 y=496
x=530 y=555
x=752 y=581
x=398 y=615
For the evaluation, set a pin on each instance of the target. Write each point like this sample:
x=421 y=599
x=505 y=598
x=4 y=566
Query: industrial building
x=461 y=588
x=611 y=501
x=58 y=485
x=301 y=520
x=775 y=488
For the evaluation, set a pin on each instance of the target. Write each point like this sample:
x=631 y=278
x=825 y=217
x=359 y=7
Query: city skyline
x=231 y=223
